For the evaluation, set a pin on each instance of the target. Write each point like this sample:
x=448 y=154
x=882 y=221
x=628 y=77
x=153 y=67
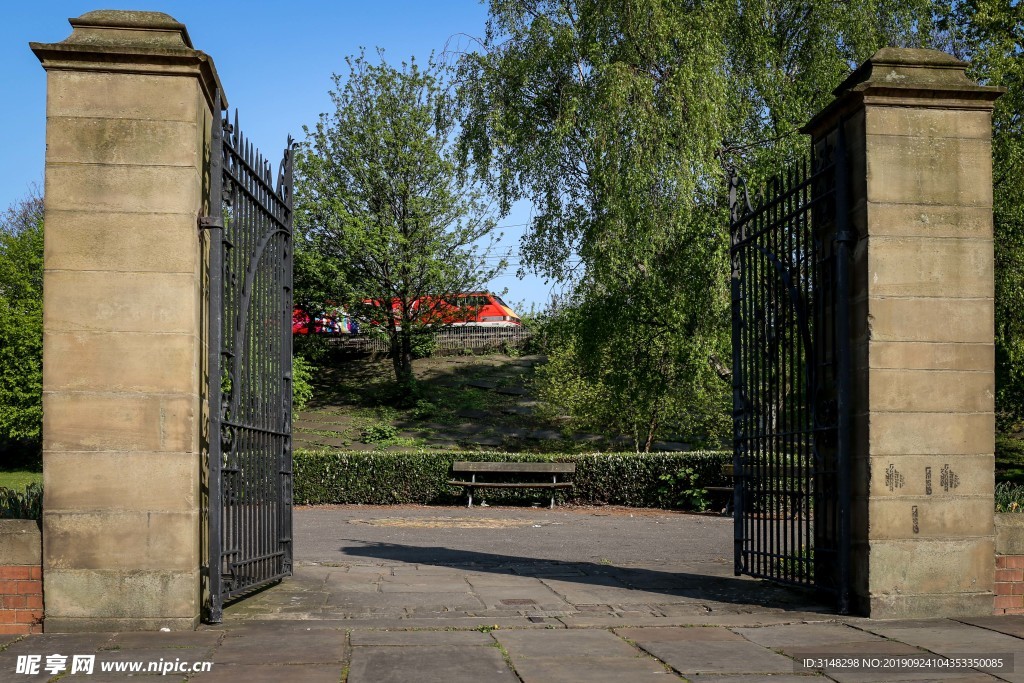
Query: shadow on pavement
x=716 y=587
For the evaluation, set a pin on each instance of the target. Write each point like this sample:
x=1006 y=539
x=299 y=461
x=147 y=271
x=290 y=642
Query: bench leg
x=554 y=480
x=469 y=489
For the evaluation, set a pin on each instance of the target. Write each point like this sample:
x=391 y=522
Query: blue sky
x=274 y=58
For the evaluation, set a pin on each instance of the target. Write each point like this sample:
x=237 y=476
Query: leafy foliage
x=378 y=432
x=24 y=503
x=1009 y=497
x=381 y=478
x=608 y=116
x=386 y=217
x=617 y=119
x=684 y=484
x=21 y=321
x=990 y=34
x=302 y=377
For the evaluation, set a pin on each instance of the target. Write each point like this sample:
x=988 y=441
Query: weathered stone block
x=98 y=301
x=104 y=422
x=121 y=96
x=95 y=481
x=945 y=171
x=929 y=123
x=910 y=219
x=932 y=476
x=933 y=391
x=158 y=243
x=127 y=540
x=123 y=189
x=976 y=357
x=924 y=266
x=930 y=320
x=122 y=361
x=930 y=517
x=899 y=434
x=1009 y=533
x=920 y=567
x=132 y=142
x=20 y=542
x=135 y=595
x=917 y=606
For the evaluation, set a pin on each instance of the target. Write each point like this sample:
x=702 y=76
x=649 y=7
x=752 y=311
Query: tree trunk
x=403 y=359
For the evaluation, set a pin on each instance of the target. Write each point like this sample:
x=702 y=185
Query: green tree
x=990 y=34
x=616 y=119
x=21 y=321
x=386 y=216
x=607 y=116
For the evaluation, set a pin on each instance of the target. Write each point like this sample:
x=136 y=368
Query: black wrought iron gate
x=250 y=351
x=791 y=374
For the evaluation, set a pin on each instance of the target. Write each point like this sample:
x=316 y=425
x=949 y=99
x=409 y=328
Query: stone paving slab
x=364 y=603
x=694 y=651
x=585 y=656
x=947 y=637
x=807 y=636
x=731 y=620
x=420 y=638
x=250 y=673
x=536 y=597
x=1011 y=625
x=429 y=664
x=564 y=669
x=282 y=647
x=766 y=678
x=880 y=649
x=424 y=585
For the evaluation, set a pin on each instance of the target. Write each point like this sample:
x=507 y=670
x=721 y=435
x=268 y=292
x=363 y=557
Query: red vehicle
x=468 y=309
x=333 y=321
x=471 y=309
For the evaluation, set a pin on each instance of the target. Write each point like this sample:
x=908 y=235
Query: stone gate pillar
x=129 y=106
x=918 y=139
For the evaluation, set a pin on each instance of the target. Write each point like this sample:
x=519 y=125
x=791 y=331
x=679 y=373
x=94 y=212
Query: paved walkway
x=385 y=595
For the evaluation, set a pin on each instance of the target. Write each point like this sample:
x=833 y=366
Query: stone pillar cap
x=133 y=42
x=901 y=67
x=159 y=28
x=907 y=73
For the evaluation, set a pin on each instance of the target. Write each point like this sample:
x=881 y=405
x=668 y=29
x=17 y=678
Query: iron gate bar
x=791 y=380
x=250 y=392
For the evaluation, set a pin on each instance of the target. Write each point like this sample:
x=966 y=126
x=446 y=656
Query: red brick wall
x=1009 y=584
x=21 y=599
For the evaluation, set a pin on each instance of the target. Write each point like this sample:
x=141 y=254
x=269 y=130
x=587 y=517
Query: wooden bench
x=552 y=469
x=795 y=497
x=727 y=491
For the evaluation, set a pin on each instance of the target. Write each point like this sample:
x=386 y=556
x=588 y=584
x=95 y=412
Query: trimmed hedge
x=383 y=478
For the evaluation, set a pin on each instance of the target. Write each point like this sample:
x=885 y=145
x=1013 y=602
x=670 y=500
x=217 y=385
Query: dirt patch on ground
x=447 y=522
x=402 y=511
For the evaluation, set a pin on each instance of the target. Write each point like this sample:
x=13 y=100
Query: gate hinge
x=207 y=222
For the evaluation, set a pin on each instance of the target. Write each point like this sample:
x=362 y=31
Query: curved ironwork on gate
x=791 y=374
x=250 y=380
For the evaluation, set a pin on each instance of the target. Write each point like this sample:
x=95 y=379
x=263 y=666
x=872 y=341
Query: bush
x=424 y=345
x=1009 y=497
x=382 y=478
x=379 y=432
x=21 y=323
x=22 y=504
x=302 y=388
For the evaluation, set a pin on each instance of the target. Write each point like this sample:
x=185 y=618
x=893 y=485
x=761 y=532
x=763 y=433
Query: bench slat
x=534 y=485
x=532 y=467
